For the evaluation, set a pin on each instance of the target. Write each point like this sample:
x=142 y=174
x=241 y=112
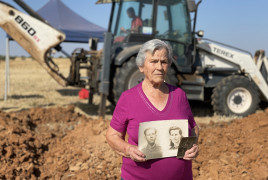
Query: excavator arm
x=35 y=36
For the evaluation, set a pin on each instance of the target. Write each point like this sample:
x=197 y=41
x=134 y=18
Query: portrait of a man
x=151 y=150
x=175 y=135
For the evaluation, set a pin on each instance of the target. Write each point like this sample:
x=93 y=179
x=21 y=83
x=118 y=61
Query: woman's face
x=175 y=136
x=155 y=66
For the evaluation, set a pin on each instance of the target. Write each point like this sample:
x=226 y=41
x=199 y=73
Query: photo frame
x=160 y=139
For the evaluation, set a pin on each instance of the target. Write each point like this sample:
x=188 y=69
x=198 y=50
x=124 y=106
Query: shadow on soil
x=201 y=109
x=35 y=96
x=9 y=108
x=22 y=109
x=263 y=105
x=68 y=92
x=92 y=109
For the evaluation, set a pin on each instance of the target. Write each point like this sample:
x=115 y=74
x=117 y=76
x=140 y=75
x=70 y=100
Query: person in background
x=136 y=22
x=175 y=134
x=151 y=100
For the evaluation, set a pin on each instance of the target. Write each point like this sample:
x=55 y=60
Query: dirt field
x=47 y=132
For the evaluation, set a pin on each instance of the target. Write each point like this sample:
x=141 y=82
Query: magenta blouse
x=134 y=107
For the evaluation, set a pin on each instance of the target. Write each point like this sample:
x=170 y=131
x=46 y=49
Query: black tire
x=129 y=75
x=235 y=95
x=125 y=76
x=171 y=76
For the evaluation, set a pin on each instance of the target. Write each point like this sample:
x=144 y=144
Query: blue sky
x=240 y=23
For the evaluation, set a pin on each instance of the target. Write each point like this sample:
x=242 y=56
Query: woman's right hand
x=135 y=154
x=117 y=141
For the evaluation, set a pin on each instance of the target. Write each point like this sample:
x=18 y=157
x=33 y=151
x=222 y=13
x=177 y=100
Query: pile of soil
x=234 y=150
x=55 y=143
x=59 y=143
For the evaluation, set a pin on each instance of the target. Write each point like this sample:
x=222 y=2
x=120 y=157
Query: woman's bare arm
x=116 y=140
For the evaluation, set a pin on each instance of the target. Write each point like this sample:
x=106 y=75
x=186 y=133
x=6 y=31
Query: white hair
x=151 y=46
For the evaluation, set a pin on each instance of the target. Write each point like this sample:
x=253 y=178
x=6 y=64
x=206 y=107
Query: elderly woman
x=151 y=100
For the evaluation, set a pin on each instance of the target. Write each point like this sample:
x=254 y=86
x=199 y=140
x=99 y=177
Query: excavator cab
x=167 y=20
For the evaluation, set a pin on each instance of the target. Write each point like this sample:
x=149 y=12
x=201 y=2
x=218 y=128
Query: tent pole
x=7 y=69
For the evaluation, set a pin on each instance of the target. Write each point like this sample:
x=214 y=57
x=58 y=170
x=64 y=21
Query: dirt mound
x=54 y=143
x=236 y=150
x=58 y=143
x=83 y=154
x=26 y=136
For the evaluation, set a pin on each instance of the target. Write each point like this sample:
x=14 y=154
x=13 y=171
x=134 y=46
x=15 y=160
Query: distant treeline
x=2 y=57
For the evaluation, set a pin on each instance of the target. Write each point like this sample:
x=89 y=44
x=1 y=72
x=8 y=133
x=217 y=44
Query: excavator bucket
x=35 y=36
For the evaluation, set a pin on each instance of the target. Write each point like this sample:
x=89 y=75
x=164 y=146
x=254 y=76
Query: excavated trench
x=59 y=143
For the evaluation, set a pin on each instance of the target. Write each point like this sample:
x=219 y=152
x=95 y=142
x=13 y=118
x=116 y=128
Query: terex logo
x=222 y=52
x=27 y=27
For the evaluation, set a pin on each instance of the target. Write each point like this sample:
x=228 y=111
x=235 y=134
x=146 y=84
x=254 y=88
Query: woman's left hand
x=192 y=153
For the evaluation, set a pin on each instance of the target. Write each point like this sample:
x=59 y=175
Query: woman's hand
x=135 y=154
x=117 y=141
x=192 y=153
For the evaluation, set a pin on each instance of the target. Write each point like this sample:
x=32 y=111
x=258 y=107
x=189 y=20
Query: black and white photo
x=160 y=139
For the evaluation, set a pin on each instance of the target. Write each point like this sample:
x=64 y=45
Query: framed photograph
x=160 y=139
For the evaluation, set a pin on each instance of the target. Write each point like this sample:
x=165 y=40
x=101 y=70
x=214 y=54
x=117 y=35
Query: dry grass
x=31 y=86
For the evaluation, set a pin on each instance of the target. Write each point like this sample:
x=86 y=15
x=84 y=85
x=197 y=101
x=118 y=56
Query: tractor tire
x=235 y=95
x=129 y=76
x=126 y=77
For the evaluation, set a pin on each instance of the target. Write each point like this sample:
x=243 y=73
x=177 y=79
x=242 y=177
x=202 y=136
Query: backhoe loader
x=203 y=68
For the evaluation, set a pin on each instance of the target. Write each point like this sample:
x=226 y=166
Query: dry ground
x=42 y=136
x=30 y=86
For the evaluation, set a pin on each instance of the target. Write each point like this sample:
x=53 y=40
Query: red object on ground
x=83 y=93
